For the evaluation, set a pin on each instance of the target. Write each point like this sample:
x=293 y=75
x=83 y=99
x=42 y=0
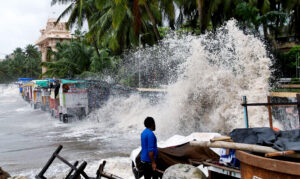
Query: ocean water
x=28 y=138
x=205 y=78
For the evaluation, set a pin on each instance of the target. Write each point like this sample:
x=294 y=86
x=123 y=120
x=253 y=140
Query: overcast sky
x=21 y=21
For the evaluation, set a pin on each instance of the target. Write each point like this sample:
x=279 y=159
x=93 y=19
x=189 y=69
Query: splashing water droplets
x=209 y=75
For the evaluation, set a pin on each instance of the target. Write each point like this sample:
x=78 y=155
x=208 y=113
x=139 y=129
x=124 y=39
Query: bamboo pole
x=233 y=145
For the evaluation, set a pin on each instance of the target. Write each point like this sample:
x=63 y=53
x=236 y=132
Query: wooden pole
x=233 y=145
x=221 y=138
x=246 y=111
x=298 y=106
x=270 y=113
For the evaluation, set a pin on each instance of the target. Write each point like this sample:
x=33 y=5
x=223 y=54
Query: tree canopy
x=21 y=63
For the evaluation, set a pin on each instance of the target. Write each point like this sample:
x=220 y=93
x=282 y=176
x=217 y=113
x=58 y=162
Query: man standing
x=149 y=149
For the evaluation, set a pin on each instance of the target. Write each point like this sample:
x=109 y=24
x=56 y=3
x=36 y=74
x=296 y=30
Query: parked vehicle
x=73 y=99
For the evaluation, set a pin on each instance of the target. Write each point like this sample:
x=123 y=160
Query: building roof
x=54 y=31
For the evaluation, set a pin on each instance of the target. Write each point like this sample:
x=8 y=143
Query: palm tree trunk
x=94 y=40
x=201 y=15
x=153 y=21
x=95 y=46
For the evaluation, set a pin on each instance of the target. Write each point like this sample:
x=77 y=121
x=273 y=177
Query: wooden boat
x=254 y=166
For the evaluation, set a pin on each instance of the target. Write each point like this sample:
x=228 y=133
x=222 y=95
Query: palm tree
x=150 y=7
x=79 y=10
x=118 y=24
x=69 y=59
x=293 y=7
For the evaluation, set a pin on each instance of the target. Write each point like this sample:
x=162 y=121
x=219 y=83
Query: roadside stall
x=54 y=98
x=37 y=99
x=46 y=95
x=27 y=91
x=73 y=99
x=21 y=82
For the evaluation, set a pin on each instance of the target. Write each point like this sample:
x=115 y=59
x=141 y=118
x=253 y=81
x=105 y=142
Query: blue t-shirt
x=148 y=141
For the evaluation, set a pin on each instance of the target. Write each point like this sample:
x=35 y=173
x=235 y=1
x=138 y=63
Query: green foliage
x=247 y=13
x=21 y=63
x=163 y=31
x=116 y=26
x=291 y=56
x=77 y=58
x=295 y=81
x=293 y=53
x=286 y=90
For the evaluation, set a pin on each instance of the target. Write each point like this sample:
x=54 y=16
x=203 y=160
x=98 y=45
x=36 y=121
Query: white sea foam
x=206 y=91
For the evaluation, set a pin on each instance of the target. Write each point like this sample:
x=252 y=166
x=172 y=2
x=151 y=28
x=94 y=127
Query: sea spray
x=205 y=91
x=205 y=78
x=224 y=66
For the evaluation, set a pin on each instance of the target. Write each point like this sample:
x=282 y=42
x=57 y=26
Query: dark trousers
x=148 y=172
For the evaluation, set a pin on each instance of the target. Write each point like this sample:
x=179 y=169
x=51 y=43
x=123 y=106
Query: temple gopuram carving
x=50 y=36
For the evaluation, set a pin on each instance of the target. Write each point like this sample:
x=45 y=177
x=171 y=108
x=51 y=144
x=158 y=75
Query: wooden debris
x=283 y=153
x=221 y=138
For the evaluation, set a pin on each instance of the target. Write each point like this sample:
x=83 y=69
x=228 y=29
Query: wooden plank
x=290 y=86
x=284 y=94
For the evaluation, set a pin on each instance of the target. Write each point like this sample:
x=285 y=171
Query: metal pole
x=140 y=39
x=79 y=171
x=272 y=104
x=41 y=174
x=71 y=171
x=245 y=111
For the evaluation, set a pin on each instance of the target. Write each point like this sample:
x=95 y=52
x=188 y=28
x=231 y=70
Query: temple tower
x=50 y=36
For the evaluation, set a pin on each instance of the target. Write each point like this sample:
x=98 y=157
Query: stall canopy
x=71 y=81
x=41 y=83
x=24 y=80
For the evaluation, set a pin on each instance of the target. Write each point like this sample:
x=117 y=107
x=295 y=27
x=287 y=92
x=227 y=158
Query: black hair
x=149 y=122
